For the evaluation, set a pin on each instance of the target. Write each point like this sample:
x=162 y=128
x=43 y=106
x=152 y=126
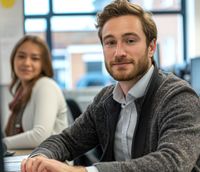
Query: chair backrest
x=74 y=108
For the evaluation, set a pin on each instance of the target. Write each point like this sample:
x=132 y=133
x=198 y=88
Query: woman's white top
x=45 y=114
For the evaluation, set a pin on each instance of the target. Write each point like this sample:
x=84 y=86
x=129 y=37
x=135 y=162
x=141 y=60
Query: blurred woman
x=38 y=109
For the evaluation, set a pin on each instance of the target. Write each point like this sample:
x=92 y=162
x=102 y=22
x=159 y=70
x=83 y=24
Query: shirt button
x=123 y=105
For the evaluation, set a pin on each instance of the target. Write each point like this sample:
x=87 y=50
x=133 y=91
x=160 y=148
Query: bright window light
x=36 y=7
x=73 y=23
x=72 y=6
x=35 y=25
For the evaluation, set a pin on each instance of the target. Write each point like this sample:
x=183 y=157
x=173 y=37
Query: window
x=69 y=28
x=36 y=7
x=35 y=25
x=72 y=23
x=170 y=38
x=78 y=6
x=159 y=5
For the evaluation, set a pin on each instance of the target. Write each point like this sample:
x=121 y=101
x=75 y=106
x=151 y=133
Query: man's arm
x=77 y=139
x=72 y=142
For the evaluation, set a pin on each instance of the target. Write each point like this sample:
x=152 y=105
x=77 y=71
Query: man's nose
x=120 y=50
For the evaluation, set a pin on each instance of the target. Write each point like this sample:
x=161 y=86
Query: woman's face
x=28 y=62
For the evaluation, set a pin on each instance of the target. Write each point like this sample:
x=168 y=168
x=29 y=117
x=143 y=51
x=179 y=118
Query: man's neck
x=127 y=85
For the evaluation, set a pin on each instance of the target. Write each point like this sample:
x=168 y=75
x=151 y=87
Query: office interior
x=68 y=26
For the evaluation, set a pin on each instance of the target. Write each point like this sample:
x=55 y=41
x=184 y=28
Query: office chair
x=74 y=108
x=91 y=156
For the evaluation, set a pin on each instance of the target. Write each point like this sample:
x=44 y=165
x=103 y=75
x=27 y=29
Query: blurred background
x=68 y=26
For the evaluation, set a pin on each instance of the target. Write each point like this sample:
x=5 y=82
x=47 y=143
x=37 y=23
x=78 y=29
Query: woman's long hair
x=47 y=69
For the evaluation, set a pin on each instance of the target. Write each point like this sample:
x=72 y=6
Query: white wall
x=197 y=31
x=11 y=29
x=193 y=28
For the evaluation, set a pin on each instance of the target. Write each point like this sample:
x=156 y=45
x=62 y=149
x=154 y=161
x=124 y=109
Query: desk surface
x=13 y=163
x=21 y=151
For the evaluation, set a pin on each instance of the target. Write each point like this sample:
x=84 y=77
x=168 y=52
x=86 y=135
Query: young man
x=148 y=121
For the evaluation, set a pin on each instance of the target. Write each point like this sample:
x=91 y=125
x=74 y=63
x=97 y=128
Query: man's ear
x=152 y=48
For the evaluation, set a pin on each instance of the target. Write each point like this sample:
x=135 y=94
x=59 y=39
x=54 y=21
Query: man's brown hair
x=122 y=7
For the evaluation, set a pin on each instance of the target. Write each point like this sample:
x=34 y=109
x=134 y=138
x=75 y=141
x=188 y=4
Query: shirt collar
x=137 y=90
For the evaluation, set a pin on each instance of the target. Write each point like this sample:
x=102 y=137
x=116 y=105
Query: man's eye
x=130 y=41
x=110 y=43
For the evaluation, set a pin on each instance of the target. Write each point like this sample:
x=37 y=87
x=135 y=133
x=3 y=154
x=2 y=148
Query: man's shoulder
x=172 y=84
x=171 y=80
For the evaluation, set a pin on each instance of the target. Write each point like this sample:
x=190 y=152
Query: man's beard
x=136 y=72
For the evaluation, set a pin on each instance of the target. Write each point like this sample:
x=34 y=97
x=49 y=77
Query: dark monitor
x=195 y=74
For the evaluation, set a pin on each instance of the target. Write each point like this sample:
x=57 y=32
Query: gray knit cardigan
x=167 y=135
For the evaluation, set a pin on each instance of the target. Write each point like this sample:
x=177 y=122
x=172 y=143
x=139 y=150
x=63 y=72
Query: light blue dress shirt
x=127 y=119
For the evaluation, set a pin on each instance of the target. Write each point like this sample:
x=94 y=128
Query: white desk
x=13 y=163
x=21 y=151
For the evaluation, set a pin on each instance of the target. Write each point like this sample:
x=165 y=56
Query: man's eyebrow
x=124 y=35
x=131 y=34
x=108 y=36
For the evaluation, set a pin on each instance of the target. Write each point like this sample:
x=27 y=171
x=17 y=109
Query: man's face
x=127 y=57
